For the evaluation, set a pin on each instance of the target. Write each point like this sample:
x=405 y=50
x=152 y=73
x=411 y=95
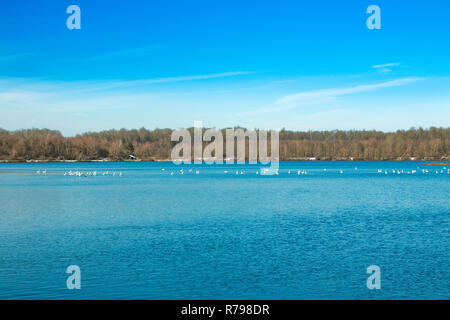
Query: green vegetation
x=44 y=144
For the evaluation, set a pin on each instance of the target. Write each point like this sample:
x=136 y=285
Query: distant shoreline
x=434 y=162
x=44 y=145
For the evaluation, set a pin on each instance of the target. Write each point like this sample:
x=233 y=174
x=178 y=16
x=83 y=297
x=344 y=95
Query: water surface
x=213 y=235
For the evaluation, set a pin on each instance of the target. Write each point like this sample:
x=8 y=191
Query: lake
x=138 y=232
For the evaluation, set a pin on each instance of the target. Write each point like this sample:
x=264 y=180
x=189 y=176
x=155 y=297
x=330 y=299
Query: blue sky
x=266 y=64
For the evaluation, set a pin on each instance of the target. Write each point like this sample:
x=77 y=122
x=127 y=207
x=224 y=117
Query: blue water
x=215 y=235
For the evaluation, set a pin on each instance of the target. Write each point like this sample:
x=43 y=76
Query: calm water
x=150 y=235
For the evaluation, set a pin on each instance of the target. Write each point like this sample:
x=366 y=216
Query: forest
x=154 y=145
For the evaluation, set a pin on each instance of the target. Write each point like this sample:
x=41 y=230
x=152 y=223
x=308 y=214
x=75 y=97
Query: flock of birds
x=85 y=173
x=424 y=171
x=263 y=171
x=305 y=171
x=240 y=172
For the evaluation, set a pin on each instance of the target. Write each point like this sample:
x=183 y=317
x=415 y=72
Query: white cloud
x=186 y=78
x=31 y=87
x=382 y=66
x=103 y=85
x=328 y=95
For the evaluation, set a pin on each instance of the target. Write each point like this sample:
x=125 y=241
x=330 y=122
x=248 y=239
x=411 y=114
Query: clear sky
x=265 y=64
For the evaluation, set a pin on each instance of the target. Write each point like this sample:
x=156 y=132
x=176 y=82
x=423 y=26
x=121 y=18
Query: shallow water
x=215 y=235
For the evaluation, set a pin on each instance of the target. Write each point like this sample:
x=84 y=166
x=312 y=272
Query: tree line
x=151 y=145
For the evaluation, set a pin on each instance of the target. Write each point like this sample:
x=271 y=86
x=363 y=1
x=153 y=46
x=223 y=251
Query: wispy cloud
x=93 y=86
x=322 y=96
x=189 y=78
x=84 y=96
x=126 y=84
x=386 y=65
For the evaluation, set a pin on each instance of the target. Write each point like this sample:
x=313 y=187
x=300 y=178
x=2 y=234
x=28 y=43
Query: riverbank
x=40 y=145
x=169 y=160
